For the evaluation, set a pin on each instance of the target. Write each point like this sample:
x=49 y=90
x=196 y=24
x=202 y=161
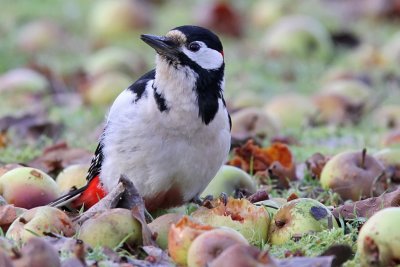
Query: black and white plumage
x=169 y=132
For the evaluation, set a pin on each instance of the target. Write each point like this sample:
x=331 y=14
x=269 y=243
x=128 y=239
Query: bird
x=170 y=131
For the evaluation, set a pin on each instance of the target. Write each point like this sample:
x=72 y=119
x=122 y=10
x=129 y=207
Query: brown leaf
x=342 y=253
x=8 y=213
x=59 y=156
x=316 y=163
x=367 y=207
x=325 y=261
x=258 y=196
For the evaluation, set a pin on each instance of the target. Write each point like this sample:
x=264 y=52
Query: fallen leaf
x=341 y=253
x=276 y=159
x=325 y=261
x=367 y=207
x=8 y=213
x=258 y=196
x=316 y=163
x=59 y=156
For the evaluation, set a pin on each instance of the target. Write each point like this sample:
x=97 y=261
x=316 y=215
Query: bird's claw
x=224 y=198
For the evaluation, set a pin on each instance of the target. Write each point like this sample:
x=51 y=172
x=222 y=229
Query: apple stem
x=363 y=155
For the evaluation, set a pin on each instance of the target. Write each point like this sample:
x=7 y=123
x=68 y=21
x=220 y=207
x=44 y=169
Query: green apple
x=388 y=116
x=291 y=110
x=209 y=245
x=353 y=175
x=378 y=242
x=27 y=187
x=103 y=90
x=181 y=236
x=229 y=180
x=72 y=176
x=298 y=217
x=161 y=225
x=252 y=122
x=39 y=220
x=264 y=13
x=110 y=228
x=239 y=214
x=298 y=36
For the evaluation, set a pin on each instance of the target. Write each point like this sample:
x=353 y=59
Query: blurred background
x=320 y=75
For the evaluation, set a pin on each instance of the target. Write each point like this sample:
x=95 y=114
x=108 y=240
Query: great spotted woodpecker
x=169 y=132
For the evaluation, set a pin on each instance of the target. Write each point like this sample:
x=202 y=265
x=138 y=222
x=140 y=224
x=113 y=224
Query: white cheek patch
x=206 y=58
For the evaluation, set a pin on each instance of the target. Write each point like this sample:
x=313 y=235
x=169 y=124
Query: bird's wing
x=95 y=165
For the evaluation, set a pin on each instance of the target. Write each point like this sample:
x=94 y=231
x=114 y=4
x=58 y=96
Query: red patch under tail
x=91 y=195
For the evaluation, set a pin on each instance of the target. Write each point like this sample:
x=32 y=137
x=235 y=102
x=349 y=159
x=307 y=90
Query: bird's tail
x=86 y=196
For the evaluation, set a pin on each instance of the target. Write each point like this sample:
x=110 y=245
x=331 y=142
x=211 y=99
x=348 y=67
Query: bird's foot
x=224 y=198
x=205 y=202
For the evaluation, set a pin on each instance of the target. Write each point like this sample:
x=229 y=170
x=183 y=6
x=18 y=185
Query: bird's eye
x=194 y=47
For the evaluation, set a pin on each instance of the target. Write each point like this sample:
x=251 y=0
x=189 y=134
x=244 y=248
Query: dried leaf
x=367 y=207
x=8 y=213
x=258 y=196
x=59 y=156
x=277 y=159
x=316 y=163
x=342 y=253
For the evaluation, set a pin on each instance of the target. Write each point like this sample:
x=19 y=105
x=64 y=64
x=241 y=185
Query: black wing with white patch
x=95 y=165
x=139 y=87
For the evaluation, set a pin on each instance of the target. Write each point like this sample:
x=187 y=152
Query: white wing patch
x=205 y=57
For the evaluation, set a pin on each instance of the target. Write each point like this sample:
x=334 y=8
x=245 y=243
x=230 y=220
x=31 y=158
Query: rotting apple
x=38 y=221
x=298 y=36
x=239 y=214
x=252 y=122
x=72 y=176
x=28 y=187
x=291 y=110
x=298 y=217
x=388 y=116
x=111 y=228
x=181 y=236
x=230 y=180
x=161 y=225
x=379 y=239
x=209 y=245
x=390 y=159
x=354 y=175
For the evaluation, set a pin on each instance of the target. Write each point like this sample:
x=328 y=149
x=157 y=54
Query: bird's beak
x=163 y=45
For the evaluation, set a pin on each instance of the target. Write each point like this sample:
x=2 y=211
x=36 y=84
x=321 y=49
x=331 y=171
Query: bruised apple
x=209 y=245
x=230 y=180
x=72 y=176
x=181 y=236
x=28 y=187
x=110 y=228
x=379 y=239
x=38 y=221
x=390 y=159
x=161 y=225
x=239 y=214
x=353 y=175
x=299 y=217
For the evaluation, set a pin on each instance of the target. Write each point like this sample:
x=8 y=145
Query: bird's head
x=191 y=46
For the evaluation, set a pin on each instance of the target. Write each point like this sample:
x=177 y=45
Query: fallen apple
x=252 y=122
x=74 y=176
x=291 y=110
x=111 y=228
x=265 y=13
x=209 y=245
x=181 y=236
x=161 y=225
x=298 y=217
x=239 y=214
x=230 y=180
x=28 y=187
x=378 y=242
x=388 y=116
x=104 y=89
x=40 y=220
x=354 y=175
x=390 y=159
x=355 y=91
x=23 y=80
x=298 y=36
x=392 y=138
x=245 y=99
